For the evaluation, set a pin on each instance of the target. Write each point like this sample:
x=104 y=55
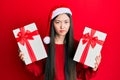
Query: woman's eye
x=66 y=21
x=57 y=22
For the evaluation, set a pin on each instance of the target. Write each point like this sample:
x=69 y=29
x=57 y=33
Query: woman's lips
x=62 y=31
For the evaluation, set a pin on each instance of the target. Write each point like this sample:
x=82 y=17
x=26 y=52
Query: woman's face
x=62 y=24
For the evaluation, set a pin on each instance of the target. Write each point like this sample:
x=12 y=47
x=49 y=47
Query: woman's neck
x=59 y=39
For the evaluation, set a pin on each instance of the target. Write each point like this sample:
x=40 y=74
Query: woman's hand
x=21 y=55
x=98 y=60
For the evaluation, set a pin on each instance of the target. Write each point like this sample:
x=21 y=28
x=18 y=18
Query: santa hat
x=53 y=14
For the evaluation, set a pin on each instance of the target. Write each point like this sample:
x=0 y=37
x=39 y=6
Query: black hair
x=70 y=65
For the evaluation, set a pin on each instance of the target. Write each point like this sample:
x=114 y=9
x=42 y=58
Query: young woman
x=59 y=64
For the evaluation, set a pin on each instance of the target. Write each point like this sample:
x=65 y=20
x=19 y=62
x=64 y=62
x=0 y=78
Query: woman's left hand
x=98 y=60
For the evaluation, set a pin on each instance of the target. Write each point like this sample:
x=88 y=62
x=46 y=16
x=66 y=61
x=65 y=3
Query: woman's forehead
x=62 y=17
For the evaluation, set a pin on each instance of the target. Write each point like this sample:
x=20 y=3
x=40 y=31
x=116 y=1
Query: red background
x=102 y=15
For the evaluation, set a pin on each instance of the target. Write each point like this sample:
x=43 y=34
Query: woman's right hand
x=33 y=68
x=21 y=55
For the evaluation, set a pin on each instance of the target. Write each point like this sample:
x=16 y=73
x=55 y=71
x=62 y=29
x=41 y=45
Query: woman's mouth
x=62 y=31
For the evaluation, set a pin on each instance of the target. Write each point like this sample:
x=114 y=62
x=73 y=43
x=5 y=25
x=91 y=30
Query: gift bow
x=23 y=37
x=90 y=40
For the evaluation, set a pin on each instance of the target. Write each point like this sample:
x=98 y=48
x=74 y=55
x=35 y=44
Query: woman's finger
x=98 y=59
x=96 y=67
x=21 y=55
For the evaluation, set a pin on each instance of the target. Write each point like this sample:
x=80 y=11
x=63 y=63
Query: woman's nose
x=62 y=25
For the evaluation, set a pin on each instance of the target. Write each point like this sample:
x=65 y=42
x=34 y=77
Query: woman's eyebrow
x=62 y=20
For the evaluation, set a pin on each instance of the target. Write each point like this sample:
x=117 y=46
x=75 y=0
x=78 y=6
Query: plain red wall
x=103 y=15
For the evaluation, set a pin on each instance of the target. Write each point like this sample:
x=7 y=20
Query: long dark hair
x=70 y=65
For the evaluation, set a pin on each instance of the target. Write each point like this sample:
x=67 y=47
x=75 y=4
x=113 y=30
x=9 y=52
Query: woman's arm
x=85 y=72
x=36 y=68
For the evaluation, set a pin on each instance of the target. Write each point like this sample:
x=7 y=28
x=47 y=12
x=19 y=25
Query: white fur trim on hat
x=46 y=40
x=60 y=11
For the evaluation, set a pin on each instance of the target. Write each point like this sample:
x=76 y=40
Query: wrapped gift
x=89 y=47
x=30 y=43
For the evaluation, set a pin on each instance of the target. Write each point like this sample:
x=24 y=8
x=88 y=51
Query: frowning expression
x=62 y=24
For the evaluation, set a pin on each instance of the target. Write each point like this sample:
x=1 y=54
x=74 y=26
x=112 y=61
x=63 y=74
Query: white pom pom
x=46 y=40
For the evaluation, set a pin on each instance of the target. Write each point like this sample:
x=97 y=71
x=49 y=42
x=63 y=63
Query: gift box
x=89 y=47
x=30 y=43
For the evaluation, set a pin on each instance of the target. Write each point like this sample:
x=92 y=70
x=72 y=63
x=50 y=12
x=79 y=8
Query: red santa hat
x=54 y=13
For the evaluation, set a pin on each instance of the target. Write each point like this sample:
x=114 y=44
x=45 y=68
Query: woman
x=60 y=65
